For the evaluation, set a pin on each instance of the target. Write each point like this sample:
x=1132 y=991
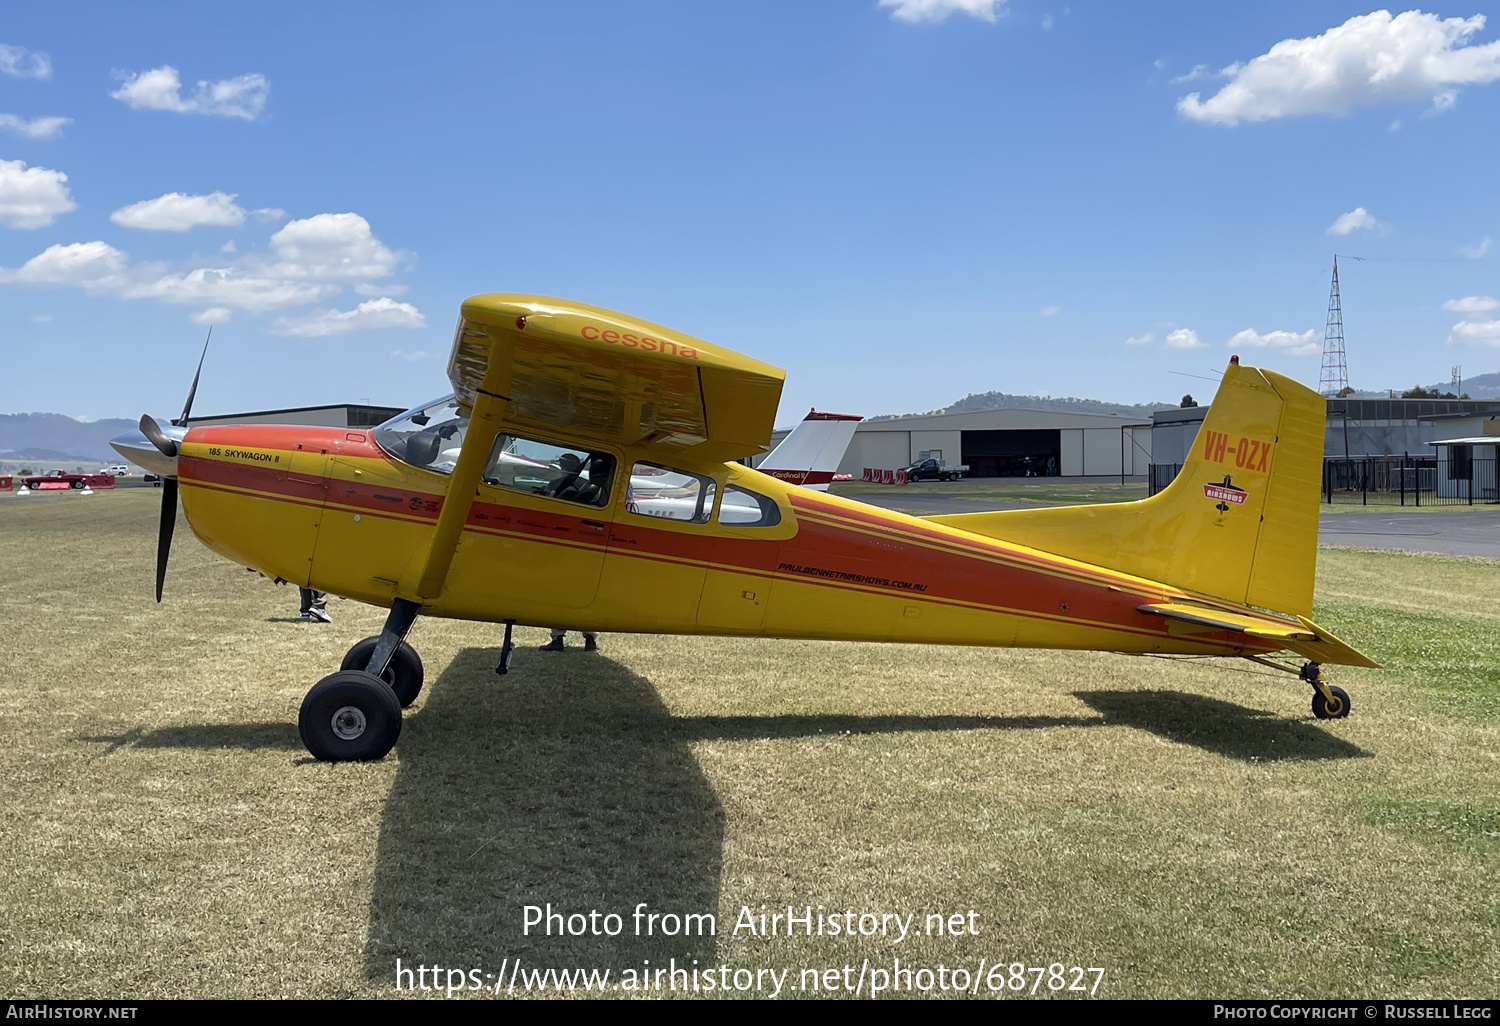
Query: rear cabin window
x=543 y=468
x=741 y=507
x=657 y=491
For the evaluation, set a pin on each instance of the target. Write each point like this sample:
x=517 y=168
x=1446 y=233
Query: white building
x=1005 y=443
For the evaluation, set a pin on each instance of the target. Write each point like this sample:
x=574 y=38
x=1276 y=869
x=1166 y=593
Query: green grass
x=1185 y=824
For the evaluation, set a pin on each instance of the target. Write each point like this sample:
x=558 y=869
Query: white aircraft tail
x=810 y=455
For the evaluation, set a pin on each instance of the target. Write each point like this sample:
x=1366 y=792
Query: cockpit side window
x=430 y=437
x=657 y=491
x=741 y=507
x=544 y=468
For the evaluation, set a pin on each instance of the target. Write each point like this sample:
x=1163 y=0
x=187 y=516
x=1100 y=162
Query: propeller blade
x=157 y=437
x=187 y=407
x=164 y=530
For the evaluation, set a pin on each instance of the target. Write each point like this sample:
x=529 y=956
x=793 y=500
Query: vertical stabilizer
x=812 y=452
x=1239 y=522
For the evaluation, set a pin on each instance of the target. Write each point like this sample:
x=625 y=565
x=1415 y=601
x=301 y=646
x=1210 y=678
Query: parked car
x=932 y=470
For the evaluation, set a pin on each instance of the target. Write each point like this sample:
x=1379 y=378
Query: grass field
x=1187 y=826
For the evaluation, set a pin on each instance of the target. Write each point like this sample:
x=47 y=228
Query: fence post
x=1416 y=481
x=1403 y=480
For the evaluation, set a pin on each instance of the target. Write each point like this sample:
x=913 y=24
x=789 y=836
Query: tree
x=1418 y=392
x=1345 y=392
x=1188 y=402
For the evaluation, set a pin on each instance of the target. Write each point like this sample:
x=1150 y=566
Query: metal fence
x=1159 y=475
x=1457 y=480
x=1389 y=480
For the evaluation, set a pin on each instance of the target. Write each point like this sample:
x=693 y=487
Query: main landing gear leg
x=1329 y=701
x=355 y=715
x=503 y=666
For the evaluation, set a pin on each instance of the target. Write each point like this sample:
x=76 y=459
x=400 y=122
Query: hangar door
x=1012 y=453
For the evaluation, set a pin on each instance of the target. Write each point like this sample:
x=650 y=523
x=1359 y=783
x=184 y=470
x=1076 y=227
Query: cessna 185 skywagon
x=582 y=476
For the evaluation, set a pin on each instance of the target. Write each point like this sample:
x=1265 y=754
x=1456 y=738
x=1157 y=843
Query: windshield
x=429 y=437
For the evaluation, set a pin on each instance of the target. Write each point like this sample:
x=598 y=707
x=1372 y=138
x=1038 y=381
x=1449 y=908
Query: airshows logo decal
x=1225 y=493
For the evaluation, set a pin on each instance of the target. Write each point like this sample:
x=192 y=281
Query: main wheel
x=404 y=674
x=75 y=484
x=350 y=716
x=1337 y=709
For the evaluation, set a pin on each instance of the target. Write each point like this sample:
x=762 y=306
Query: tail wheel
x=404 y=674
x=350 y=716
x=1335 y=707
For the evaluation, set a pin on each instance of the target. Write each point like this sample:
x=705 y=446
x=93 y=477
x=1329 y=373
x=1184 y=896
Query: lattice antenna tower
x=1335 y=376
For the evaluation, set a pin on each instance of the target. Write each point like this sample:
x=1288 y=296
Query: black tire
x=404 y=674
x=350 y=716
x=1335 y=710
x=75 y=484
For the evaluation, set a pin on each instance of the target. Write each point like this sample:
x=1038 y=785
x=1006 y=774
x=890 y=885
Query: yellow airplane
x=582 y=475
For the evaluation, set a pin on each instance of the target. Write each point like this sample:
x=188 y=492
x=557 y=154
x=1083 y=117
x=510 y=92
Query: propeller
x=168 y=447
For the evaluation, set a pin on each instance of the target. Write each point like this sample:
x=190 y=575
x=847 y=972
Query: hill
x=53 y=436
x=975 y=402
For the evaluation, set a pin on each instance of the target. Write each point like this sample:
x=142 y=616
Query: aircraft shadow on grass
x=570 y=782
x=1224 y=728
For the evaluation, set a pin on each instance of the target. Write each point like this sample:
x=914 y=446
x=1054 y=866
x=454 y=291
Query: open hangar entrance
x=998 y=443
x=1014 y=453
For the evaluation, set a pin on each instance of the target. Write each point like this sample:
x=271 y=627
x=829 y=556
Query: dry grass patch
x=1186 y=825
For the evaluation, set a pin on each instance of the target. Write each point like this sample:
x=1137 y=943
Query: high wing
x=583 y=374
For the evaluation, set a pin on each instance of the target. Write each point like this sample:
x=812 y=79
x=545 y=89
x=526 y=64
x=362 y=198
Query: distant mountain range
x=976 y=402
x=53 y=436
x=1480 y=386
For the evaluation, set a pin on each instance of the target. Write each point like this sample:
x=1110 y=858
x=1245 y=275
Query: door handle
x=592 y=523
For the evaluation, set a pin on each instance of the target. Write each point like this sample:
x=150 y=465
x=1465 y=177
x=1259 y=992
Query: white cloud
x=1472 y=304
x=1183 y=338
x=94 y=266
x=19 y=62
x=419 y=354
x=373 y=313
x=268 y=213
x=1203 y=71
x=1371 y=58
x=228 y=286
x=1476 y=333
x=213 y=315
x=1050 y=311
x=1476 y=329
x=1046 y=23
x=367 y=289
x=1477 y=250
x=331 y=247
x=1140 y=340
x=1353 y=221
x=938 y=10
x=178 y=212
x=36 y=128
x=41 y=318
x=32 y=197
x=1394 y=126
x=229 y=248
x=310 y=261
x=1289 y=342
x=161 y=89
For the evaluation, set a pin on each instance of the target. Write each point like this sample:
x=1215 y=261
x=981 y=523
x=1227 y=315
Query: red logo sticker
x=1225 y=493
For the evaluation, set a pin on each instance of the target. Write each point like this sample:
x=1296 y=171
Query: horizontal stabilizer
x=1303 y=637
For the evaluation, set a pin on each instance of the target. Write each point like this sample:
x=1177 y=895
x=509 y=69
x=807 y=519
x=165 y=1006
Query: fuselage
x=330 y=509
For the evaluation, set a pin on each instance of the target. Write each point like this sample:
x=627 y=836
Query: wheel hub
x=348 y=723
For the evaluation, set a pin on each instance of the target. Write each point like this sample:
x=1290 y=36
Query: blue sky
x=898 y=202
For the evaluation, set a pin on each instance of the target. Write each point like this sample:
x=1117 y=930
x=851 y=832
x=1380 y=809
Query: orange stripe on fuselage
x=948 y=569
